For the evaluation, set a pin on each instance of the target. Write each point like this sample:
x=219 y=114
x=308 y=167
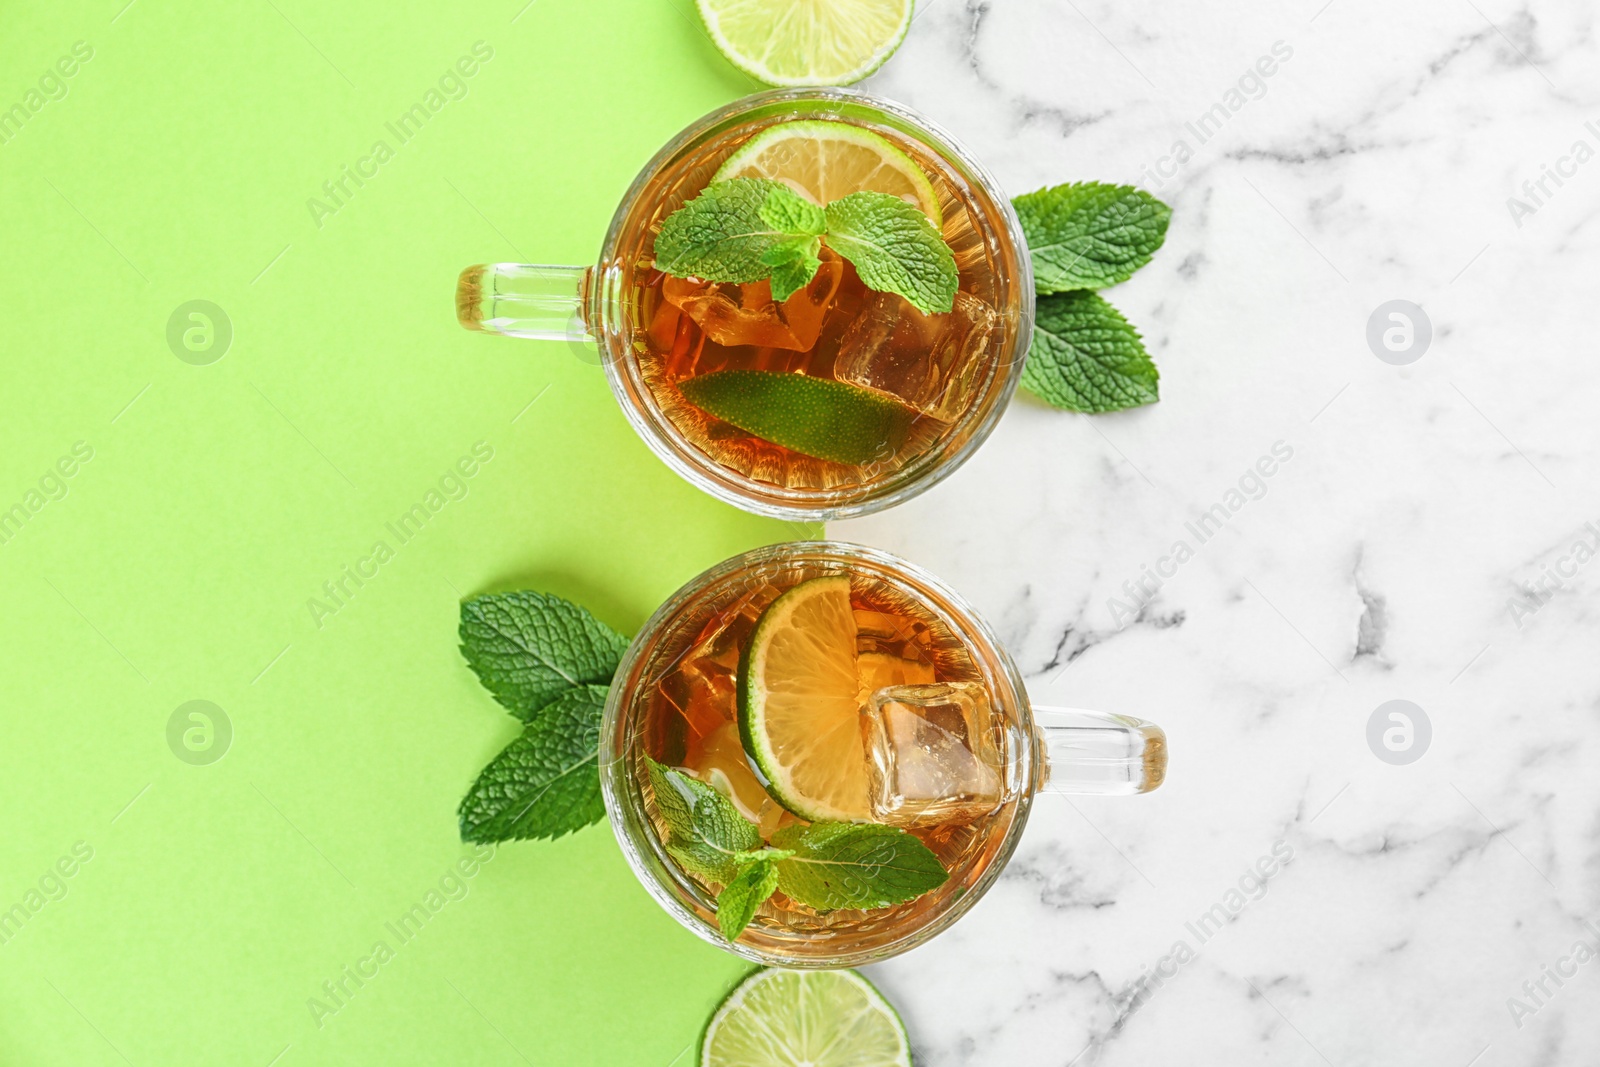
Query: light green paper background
x=220 y=498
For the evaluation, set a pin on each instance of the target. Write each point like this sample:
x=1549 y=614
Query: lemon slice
x=805 y=1019
x=799 y=709
x=825 y=160
x=807 y=42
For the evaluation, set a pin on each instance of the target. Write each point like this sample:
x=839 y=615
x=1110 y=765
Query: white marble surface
x=1380 y=563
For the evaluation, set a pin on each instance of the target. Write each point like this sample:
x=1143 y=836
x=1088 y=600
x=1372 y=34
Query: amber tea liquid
x=684 y=716
x=942 y=367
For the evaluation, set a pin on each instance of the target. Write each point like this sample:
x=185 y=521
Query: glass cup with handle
x=935 y=385
x=951 y=747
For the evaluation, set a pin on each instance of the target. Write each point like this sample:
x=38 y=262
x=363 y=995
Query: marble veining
x=1420 y=542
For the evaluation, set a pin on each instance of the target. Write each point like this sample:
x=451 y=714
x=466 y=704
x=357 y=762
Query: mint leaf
x=1086 y=235
x=773 y=854
x=794 y=263
x=722 y=234
x=739 y=899
x=824 y=865
x=528 y=648
x=895 y=248
x=788 y=212
x=748 y=229
x=707 y=836
x=545 y=783
x=705 y=832
x=1086 y=357
x=855 y=865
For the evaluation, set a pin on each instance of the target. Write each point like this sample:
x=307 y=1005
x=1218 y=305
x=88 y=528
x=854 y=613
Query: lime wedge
x=826 y=160
x=813 y=416
x=807 y=42
x=805 y=1019
x=799 y=702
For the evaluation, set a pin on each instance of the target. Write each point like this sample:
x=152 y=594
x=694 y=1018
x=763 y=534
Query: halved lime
x=813 y=416
x=799 y=702
x=807 y=42
x=826 y=160
x=805 y=1019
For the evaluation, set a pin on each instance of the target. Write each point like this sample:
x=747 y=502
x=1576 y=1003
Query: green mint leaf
x=895 y=248
x=1087 y=235
x=1086 y=357
x=705 y=832
x=528 y=648
x=788 y=212
x=739 y=899
x=545 y=783
x=722 y=234
x=855 y=865
x=773 y=854
x=794 y=263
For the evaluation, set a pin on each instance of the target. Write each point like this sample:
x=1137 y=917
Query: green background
x=220 y=498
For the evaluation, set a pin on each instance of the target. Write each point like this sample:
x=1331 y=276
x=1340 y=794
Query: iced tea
x=942 y=371
x=932 y=386
x=938 y=737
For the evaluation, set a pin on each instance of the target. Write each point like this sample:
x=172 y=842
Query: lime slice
x=799 y=702
x=826 y=160
x=813 y=416
x=807 y=42
x=805 y=1019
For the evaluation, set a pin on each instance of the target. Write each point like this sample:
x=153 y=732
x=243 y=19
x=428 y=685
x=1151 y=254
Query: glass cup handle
x=1089 y=753
x=546 y=303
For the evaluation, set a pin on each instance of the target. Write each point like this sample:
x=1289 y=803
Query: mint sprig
x=548 y=661
x=1086 y=357
x=749 y=229
x=794 y=263
x=895 y=248
x=745 y=892
x=788 y=212
x=725 y=233
x=545 y=783
x=1085 y=236
x=824 y=865
x=706 y=833
x=855 y=865
x=528 y=648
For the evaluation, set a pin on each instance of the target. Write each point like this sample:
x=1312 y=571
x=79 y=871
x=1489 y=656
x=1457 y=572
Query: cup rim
x=645 y=860
x=739 y=490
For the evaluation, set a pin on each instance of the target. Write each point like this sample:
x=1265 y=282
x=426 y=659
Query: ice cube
x=663 y=330
x=701 y=685
x=719 y=761
x=931 y=754
x=745 y=314
x=899 y=636
x=934 y=363
x=676 y=339
x=701 y=709
x=879 y=670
